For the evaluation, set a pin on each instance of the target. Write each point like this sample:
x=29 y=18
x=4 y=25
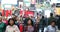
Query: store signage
x=27 y=3
x=13 y=2
x=27 y=13
x=57 y=11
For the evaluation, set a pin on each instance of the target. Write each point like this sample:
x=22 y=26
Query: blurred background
x=34 y=6
x=33 y=9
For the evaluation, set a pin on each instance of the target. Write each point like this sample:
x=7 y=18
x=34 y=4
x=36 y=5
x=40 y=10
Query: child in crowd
x=29 y=27
x=11 y=26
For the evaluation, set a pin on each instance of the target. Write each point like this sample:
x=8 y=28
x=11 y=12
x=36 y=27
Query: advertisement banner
x=13 y=2
x=9 y=2
x=27 y=13
x=8 y=12
x=57 y=11
x=3 y=13
x=27 y=2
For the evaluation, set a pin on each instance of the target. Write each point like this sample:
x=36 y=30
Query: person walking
x=52 y=27
x=11 y=26
x=29 y=27
x=42 y=24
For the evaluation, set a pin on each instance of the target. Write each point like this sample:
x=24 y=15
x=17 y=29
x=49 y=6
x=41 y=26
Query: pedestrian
x=52 y=27
x=36 y=26
x=11 y=26
x=51 y=18
x=2 y=25
x=58 y=22
x=29 y=27
x=42 y=24
x=19 y=23
x=25 y=21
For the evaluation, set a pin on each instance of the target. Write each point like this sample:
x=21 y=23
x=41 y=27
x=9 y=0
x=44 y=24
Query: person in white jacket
x=12 y=27
x=52 y=27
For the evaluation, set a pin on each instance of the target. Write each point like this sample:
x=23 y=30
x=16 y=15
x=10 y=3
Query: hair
x=31 y=21
x=9 y=21
x=51 y=14
x=42 y=16
x=53 y=21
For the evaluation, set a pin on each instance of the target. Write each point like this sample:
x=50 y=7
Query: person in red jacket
x=21 y=27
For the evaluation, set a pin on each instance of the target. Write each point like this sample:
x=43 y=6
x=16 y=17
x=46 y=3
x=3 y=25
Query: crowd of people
x=29 y=24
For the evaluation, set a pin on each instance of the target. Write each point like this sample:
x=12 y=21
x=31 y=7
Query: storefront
x=8 y=6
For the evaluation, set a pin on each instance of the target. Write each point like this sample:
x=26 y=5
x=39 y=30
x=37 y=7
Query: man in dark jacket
x=25 y=21
x=58 y=23
x=42 y=24
x=51 y=18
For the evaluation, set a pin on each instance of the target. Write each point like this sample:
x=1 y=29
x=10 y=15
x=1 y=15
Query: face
x=53 y=24
x=29 y=22
x=37 y=21
x=11 y=22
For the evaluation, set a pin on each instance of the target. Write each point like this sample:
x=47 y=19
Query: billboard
x=27 y=2
x=14 y=2
x=8 y=3
x=57 y=1
x=26 y=13
x=7 y=7
x=54 y=1
x=57 y=11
